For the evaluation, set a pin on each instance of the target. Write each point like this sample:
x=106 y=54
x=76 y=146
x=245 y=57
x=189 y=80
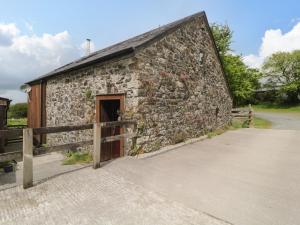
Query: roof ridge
x=121 y=48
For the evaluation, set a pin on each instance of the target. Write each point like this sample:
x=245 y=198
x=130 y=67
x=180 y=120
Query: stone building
x=169 y=79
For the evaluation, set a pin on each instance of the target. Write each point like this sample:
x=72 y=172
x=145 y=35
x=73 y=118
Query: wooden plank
x=27 y=158
x=49 y=130
x=64 y=147
x=11 y=132
x=10 y=156
x=118 y=123
x=34 y=116
x=97 y=146
x=117 y=137
x=240 y=115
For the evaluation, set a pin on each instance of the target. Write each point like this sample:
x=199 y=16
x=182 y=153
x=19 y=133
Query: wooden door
x=109 y=108
x=37 y=110
x=2 y=125
x=2 y=116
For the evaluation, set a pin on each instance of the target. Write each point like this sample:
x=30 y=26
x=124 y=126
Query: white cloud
x=7 y=33
x=275 y=41
x=25 y=57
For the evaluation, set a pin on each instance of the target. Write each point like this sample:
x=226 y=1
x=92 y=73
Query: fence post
x=27 y=158
x=97 y=145
x=250 y=117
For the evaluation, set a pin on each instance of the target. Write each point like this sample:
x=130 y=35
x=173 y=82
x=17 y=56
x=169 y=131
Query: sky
x=39 y=36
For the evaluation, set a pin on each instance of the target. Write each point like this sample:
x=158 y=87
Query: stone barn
x=169 y=79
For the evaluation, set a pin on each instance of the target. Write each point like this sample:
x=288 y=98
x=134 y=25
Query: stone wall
x=183 y=93
x=70 y=98
x=174 y=88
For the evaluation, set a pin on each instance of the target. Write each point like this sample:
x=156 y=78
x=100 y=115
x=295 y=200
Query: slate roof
x=122 y=48
x=5 y=99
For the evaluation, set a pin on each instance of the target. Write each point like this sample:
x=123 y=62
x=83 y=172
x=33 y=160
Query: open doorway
x=109 y=108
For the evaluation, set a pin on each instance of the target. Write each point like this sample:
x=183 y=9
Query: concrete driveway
x=285 y=121
x=244 y=177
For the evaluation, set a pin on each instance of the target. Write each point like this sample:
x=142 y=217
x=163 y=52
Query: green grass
x=257 y=123
x=239 y=123
x=77 y=158
x=261 y=123
x=279 y=108
x=17 y=122
x=217 y=132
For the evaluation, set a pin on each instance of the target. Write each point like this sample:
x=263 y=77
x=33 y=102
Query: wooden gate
x=109 y=108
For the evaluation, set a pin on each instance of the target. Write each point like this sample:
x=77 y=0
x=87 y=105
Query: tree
x=18 y=110
x=242 y=80
x=282 y=69
x=223 y=38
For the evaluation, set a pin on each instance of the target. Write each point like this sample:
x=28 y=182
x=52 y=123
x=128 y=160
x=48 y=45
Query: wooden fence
x=243 y=113
x=29 y=150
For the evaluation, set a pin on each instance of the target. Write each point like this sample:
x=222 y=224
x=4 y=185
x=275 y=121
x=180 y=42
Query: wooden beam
x=10 y=156
x=27 y=158
x=117 y=137
x=49 y=130
x=97 y=145
x=118 y=123
x=11 y=132
x=240 y=115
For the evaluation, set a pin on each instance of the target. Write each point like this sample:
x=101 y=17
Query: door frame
x=119 y=96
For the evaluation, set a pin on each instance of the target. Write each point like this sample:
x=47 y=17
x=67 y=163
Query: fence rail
x=29 y=150
x=242 y=113
x=8 y=156
x=10 y=132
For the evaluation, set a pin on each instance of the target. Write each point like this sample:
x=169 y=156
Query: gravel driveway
x=285 y=121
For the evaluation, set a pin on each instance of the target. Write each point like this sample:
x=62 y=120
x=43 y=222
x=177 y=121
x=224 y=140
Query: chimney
x=88 y=46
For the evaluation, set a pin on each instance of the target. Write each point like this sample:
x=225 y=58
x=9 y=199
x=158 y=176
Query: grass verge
x=77 y=158
x=261 y=123
x=277 y=108
x=17 y=122
x=239 y=123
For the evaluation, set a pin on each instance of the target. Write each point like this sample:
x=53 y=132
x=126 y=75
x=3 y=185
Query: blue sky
x=68 y=23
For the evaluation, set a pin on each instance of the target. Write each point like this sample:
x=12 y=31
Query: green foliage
x=18 y=110
x=242 y=80
x=77 y=157
x=277 y=108
x=223 y=38
x=261 y=123
x=89 y=94
x=238 y=123
x=136 y=150
x=283 y=69
x=217 y=132
x=17 y=122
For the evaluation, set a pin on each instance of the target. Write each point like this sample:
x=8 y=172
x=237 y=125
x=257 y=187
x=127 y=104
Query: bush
x=18 y=110
x=77 y=158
